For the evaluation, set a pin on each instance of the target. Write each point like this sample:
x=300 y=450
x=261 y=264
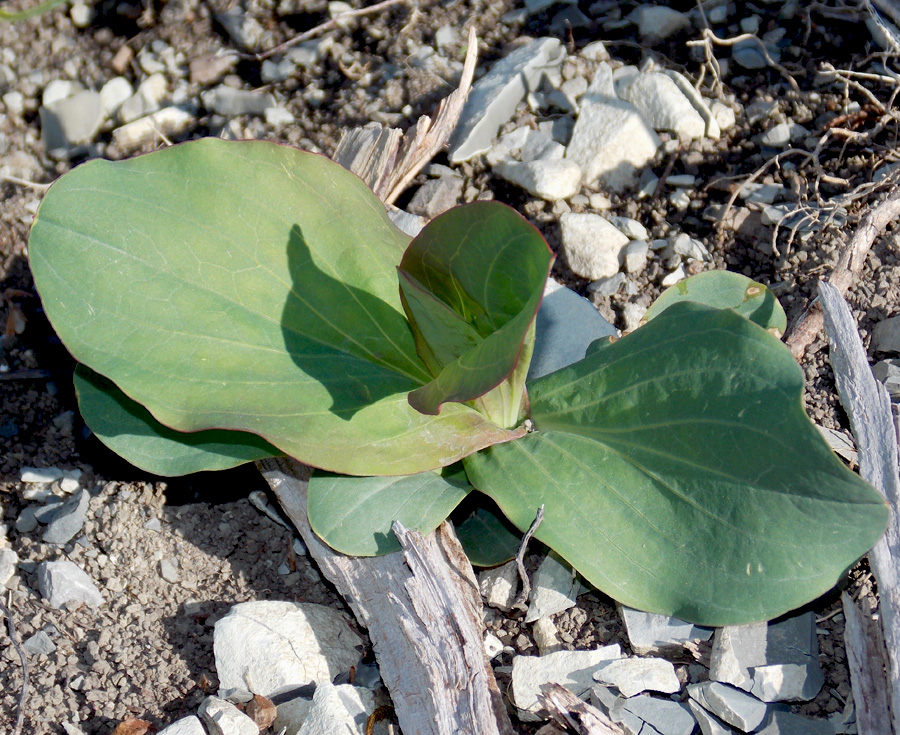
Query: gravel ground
x=147 y=651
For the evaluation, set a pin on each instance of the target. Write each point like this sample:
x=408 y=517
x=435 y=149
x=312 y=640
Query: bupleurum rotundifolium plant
x=230 y=301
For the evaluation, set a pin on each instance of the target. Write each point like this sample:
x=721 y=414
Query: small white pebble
x=81 y=14
x=44 y=474
x=492 y=646
x=679 y=274
x=68 y=485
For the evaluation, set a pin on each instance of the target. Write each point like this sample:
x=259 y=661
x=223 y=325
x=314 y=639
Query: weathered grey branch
x=423 y=613
x=865 y=659
x=868 y=406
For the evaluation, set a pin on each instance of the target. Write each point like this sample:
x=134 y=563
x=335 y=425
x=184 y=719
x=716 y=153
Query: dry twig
x=23 y=693
x=322 y=28
x=522 y=597
x=711 y=38
x=23 y=182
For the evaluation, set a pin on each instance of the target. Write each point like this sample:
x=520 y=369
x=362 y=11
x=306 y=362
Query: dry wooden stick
x=869 y=409
x=865 y=659
x=849 y=264
x=23 y=693
x=432 y=661
x=522 y=598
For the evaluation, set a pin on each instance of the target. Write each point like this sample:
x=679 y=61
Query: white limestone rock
x=9 y=560
x=685 y=245
x=39 y=643
x=525 y=144
x=495 y=96
x=493 y=646
x=270 y=647
x=223 y=718
x=659 y=21
x=338 y=709
x=436 y=196
x=611 y=141
x=571 y=669
x=731 y=705
x=40 y=475
x=546 y=636
x=149 y=98
x=737 y=648
x=62 y=582
x=787 y=682
x=774 y=661
x=662 y=104
x=723 y=114
x=169 y=121
x=676 y=276
x=631 y=228
x=551 y=180
x=635 y=255
x=185 y=726
x=554 y=588
x=713 y=129
x=59 y=89
x=566 y=325
x=67 y=520
x=592 y=246
x=231 y=102
x=291 y=715
x=632 y=676
x=71 y=121
x=662 y=715
x=498 y=585
x=709 y=723
x=655 y=633
x=632 y=315
x=886 y=335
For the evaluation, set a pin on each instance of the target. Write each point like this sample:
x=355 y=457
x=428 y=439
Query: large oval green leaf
x=354 y=515
x=471 y=283
x=680 y=474
x=246 y=286
x=130 y=431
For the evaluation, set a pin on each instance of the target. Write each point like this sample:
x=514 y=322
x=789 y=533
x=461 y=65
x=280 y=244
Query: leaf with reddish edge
x=471 y=283
x=251 y=287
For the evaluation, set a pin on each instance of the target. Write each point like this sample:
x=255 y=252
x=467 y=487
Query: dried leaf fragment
x=132 y=726
x=261 y=711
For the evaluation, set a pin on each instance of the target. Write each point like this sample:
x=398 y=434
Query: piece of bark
x=569 y=711
x=388 y=160
x=869 y=409
x=371 y=153
x=865 y=659
x=422 y=610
